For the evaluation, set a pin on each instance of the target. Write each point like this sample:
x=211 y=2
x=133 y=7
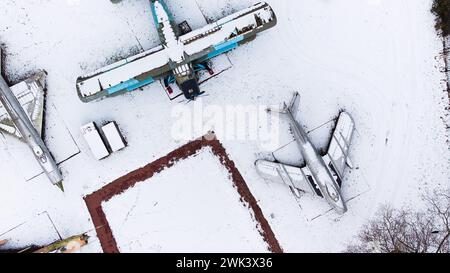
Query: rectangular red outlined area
x=94 y=201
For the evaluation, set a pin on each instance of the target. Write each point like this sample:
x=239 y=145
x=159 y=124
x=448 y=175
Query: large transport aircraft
x=22 y=115
x=180 y=56
x=322 y=174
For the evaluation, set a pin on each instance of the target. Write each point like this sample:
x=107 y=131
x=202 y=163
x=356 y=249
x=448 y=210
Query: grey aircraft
x=322 y=174
x=21 y=115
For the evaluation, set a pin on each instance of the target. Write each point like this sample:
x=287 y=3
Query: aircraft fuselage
x=319 y=169
x=29 y=134
x=183 y=71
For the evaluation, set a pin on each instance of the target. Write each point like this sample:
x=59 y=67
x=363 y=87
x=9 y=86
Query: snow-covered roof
x=123 y=70
x=113 y=137
x=94 y=140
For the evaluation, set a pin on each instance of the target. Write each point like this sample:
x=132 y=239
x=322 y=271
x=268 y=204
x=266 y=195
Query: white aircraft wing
x=30 y=94
x=295 y=177
x=227 y=33
x=126 y=75
x=337 y=157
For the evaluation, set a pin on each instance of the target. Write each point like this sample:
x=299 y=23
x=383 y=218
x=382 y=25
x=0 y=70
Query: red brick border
x=94 y=200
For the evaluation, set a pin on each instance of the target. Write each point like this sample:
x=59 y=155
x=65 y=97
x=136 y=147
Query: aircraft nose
x=341 y=208
x=190 y=89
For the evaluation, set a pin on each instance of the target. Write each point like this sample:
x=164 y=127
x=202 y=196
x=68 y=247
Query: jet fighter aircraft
x=180 y=55
x=321 y=175
x=21 y=115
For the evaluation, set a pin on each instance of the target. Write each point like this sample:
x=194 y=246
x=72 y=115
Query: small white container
x=95 y=141
x=113 y=137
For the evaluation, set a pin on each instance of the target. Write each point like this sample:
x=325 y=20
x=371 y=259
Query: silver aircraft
x=21 y=115
x=321 y=175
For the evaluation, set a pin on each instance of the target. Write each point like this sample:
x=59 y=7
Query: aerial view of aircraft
x=22 y=114
x=180 y=56
x=322 y=174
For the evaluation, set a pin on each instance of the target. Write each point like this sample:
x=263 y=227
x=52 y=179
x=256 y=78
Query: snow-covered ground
x=184 y=209
x=377 y=59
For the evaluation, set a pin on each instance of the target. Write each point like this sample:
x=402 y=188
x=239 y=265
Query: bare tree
x=441 y=9
x=406 y=231
x=439 y=205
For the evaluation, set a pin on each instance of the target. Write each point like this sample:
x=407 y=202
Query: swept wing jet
x=322 y=174
x=22 y=114
x=180 y=54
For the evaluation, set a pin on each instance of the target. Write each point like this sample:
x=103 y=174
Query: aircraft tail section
x=161 y=13
x=294 y=104
x=292 y=107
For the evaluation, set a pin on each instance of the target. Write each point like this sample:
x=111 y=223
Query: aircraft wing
x=337 y=157
x=124 y=76
x=227 y=33
x=30 y=94
x=295 y=177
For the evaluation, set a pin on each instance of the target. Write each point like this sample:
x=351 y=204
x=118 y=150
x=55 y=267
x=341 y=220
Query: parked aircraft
x=69 y=245
x=22 y=114
x=321 y=175
x=181 y=55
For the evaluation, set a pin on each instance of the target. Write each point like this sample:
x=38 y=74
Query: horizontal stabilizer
x=292 y=108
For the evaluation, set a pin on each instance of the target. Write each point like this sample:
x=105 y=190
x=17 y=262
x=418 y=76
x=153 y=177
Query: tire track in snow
x=383 y=115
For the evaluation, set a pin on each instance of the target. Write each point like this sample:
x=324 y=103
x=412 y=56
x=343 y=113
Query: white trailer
x=113 y=137
x=95 y=141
